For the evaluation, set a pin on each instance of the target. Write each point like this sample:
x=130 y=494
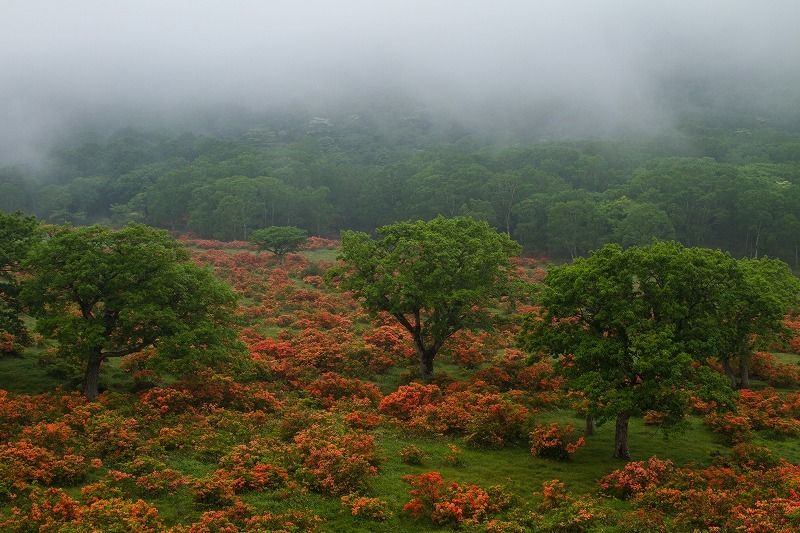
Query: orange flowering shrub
x=332 y=387
x=554 y=441
x=401 y=403
x=732 y=427
x=240 y=518
x=23 y=461
x=52 y=510
x=495 y=421
x=554 y=493
x=637 y=477
x=454 y=457
x=411 y=455
x=336 y=462
x=750 y=489
x=469 y=349
x=364 y=507
x=251 y=466
x=452 y=503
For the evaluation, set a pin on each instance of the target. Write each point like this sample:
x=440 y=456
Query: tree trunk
x=621 y=450
x=426 y=365
x=589 y=425
x=744 y=372
x=91 y=386
x=726 y=366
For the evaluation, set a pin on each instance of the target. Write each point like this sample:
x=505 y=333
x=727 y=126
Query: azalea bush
x=336 y=462
x=365 y=507
x=413 y=456
x=452 y=503
x=554 y=441
x=637 y=477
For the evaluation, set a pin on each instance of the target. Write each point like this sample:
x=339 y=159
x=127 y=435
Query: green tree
x=758 y=294
x=628 y=326
x=17 y=234
x=637 y=223
x=434 y=277
x=574 y=226
x=102 y=293
x=280 y=240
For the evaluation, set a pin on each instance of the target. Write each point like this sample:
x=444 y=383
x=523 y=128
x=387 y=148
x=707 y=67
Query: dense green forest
x=726 y=175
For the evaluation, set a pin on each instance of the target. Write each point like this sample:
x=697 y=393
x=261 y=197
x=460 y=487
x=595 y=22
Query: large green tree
x=102 y=293
x=434 y=277
x=17 y=234
x=633 y=328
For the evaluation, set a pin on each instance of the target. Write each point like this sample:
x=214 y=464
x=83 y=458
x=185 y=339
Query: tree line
x=714 y=181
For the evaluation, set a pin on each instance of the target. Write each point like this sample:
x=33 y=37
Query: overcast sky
x=63 y=58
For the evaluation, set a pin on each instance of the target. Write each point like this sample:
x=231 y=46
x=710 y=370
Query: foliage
x=335 y=462
x=452 y=503
x=413 y=456
x=634 y=328
x=365 y=507
x=280 y=240
x=102 y=293
x=434 y=277
x=17 y=234
x=554 y=441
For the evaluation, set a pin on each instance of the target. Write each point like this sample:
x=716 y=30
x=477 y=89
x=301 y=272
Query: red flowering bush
x=637 y=477
x=336 y=462
x=364 y=507
x=412 y=455
x=554 y=441
x=401 y=403
x=24 y=461
x=454 y=457
x=452 y=503
x=331 y=387
x=53 y=511
x=732 y=427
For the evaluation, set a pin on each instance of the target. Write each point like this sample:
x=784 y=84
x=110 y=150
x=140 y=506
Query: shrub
x=412 y=455
x=401 y=403
x=337 y=462
x=364 y=507
x=454 y=456
x=732 y=427
x=452 y=503
x=637 y=477
x=554 y=441
x=332 y=387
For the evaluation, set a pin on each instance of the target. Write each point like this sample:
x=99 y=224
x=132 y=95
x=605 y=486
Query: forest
x=725 y=176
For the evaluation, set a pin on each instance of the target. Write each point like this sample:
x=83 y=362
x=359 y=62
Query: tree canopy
x=280 y=240
x=634 y=328
x=103 y=293
x=17 y=234
x=434 y=277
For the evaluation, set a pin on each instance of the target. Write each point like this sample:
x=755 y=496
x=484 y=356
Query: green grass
x=315 y=256
x=28 y=374
x=24 y=374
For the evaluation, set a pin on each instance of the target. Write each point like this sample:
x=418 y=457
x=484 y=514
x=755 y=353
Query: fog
x=596 y=65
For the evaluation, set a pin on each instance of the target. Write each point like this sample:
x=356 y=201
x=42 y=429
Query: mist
x=582 y=67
